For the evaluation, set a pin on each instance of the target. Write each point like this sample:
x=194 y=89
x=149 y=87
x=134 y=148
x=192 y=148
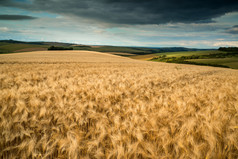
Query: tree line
x=228 y=49
x=59 y=48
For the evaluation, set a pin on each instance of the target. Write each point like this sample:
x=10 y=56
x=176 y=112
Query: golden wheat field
x=81 y=104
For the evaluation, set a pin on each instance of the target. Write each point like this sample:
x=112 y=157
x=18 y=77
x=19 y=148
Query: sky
x=150 y=23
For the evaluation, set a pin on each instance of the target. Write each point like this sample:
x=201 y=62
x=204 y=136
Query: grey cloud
x=134 y=11
x=16 y=17
x=233 y=30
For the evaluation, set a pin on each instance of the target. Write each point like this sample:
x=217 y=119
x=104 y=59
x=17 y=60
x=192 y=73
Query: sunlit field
x=82 y=104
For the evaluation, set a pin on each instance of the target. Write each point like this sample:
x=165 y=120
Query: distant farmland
x=83 y=104
x=11 y=46
x=226 y=57
x=209 y=57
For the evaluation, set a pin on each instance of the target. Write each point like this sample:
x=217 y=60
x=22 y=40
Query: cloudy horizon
x=155 y=23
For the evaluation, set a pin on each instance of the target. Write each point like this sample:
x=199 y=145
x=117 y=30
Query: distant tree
x=228 y=49
x=59 y=48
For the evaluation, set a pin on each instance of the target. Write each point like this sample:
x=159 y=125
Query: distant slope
x=216 y=58
x=11 y=46
x=132 y=50
x=229 y=62
x=176 y=54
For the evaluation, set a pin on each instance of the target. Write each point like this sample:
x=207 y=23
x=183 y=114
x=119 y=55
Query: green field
x=116 y=49
x=12 y=46
x=209 y=57
x=177 y=54
x=132 y=50
x=230 y=62
x=189 y=53
x=9 y=48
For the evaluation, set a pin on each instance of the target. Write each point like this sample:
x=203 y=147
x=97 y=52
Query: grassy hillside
x=82 y=104
x=10 y=46
x=132 y=50
x=114 y=49
x=230 y=62
x=208 y=57
x=177 y=54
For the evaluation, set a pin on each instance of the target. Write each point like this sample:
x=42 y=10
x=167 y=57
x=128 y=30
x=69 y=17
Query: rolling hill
x=10 y=46
x=215 y=58
x=218 y=58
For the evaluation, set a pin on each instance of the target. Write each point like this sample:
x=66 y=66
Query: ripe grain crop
x=78 y=104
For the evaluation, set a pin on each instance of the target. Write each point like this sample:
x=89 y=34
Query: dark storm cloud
x=16 y=17
x=135 y=11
